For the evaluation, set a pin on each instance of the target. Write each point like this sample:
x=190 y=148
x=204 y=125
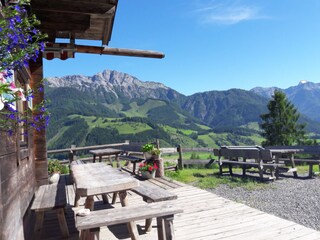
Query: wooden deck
x=206 y=216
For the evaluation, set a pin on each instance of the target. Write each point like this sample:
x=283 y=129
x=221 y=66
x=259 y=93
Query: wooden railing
x=181 y=161
x=72 y=151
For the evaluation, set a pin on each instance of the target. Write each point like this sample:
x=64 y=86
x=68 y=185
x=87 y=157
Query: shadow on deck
x=205 y=216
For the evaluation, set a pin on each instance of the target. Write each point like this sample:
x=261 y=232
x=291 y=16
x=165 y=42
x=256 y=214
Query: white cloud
x=228 y=12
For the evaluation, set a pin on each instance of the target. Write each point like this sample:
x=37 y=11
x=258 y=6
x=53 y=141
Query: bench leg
x=38 y=224
x=260 y=173
x=62 y=222
x=132 y=228
x=168 y=223
x=91 y=234
x=165 y=228
x=220 y=169
x=310 y=170
x=230 y=169
x=244 y=168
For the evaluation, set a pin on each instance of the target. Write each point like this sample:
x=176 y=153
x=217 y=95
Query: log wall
x=17 y=179
x=17 y=187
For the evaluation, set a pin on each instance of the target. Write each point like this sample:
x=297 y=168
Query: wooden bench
x=163 y=211
x=50 y=197
x=133 y=159
x=151 y=193
x=312 y=158
x=310 y=162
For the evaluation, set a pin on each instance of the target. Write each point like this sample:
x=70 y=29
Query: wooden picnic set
x=270 y=159
x=98 y=178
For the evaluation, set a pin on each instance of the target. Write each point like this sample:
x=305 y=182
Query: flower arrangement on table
x=151 y=149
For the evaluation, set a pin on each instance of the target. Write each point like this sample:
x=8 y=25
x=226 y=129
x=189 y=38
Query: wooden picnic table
x=277 y=153
x=98 y=178
x=106 y=152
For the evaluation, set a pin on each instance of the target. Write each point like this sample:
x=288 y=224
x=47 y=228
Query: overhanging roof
x=76 y=19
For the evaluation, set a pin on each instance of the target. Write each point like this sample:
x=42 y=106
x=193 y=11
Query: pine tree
x=280 y=125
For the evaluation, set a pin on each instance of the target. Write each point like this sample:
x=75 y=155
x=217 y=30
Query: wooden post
x=180 y=165
x=158 y=143
x=160 y=170
x=72 y=153
x=39 y=137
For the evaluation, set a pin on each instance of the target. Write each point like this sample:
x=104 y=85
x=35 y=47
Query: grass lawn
x=210 y=178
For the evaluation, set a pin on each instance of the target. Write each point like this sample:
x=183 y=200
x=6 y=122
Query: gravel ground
x=297 y=200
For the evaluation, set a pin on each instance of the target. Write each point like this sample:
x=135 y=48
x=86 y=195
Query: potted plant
x=148 y=169
x=55 y=168
x=151 y=151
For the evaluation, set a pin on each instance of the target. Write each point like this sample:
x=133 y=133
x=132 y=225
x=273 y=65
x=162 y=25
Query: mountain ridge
x=111 y=86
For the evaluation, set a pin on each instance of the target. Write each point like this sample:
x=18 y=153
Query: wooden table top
x=106 y=151
x=99 y=178
x=283 y=151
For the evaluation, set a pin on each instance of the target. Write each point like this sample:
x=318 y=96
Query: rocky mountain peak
x=116 y=83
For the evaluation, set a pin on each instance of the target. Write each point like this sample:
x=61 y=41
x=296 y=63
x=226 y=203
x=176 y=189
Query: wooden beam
x=63 y=22
x=78 y=7
x=118 y=51
x=39 y=137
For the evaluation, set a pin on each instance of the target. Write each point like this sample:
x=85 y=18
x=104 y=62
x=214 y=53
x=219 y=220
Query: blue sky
x=211 y=44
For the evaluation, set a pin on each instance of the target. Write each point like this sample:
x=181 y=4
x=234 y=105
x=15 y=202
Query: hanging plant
x=20 y=42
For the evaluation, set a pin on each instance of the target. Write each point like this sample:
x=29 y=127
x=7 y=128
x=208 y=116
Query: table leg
x=148 y=225
x=276 y=159
x=114 y=197
x=94 y=158
x=89 y=203
x=105 y=198
x=100 y=158
x=132 y=228
x=118 y=161
x=62 y=222
x=76 y=200
x=293 y=165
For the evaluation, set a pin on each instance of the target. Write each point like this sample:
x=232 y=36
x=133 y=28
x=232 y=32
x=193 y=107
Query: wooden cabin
x=23 y=156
